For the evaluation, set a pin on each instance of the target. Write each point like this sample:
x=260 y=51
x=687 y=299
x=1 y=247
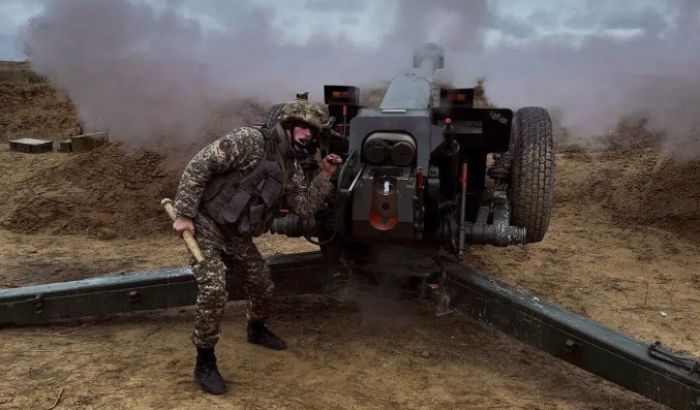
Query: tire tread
x=532 y=187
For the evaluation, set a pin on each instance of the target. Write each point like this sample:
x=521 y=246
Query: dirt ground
x=623 y=249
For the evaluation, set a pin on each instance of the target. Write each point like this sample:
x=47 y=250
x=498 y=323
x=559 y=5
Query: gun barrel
x=412 y=88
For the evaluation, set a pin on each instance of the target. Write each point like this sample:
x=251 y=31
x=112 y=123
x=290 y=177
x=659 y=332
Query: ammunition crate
x=65 y=146
x=88 y=142
x=31 y=145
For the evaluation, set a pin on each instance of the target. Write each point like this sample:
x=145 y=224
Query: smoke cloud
x=634 y=65
x=140 y=70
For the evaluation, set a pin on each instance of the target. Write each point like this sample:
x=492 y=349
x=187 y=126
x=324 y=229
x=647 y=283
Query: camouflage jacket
x=243 y=150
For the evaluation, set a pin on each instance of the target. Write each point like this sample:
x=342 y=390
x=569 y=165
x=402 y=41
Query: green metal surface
x=293 y=274
x=571 y=337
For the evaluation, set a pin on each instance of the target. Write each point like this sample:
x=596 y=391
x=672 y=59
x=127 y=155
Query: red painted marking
x=382 y=224
x=464 y=175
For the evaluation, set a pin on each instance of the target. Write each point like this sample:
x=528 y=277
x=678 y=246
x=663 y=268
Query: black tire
x=272 y=115
x=532 y=172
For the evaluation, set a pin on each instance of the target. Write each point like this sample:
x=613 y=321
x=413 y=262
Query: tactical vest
x=245 y=204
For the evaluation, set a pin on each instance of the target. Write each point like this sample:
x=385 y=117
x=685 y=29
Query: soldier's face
x=301 y=135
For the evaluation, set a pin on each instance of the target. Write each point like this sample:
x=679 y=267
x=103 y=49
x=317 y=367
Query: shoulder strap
x=270 y=144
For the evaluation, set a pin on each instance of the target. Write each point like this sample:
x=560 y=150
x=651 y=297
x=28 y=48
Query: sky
x=365 y=20
x=141 y=66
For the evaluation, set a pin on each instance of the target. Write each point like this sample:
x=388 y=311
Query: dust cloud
x=141 y=70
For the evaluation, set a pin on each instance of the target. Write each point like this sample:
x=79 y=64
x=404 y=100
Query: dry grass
x=19 y=73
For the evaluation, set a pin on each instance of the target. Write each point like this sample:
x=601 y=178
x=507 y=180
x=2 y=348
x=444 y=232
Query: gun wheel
x=532 y=183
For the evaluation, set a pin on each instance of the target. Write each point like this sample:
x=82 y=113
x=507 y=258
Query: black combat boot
x=258 y=334
x=206 y=373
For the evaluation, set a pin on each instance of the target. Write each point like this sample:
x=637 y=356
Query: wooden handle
x=186 y=235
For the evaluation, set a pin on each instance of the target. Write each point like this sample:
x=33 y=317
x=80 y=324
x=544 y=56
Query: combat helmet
x=304 y=112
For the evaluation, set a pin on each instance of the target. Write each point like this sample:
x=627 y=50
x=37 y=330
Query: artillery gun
x=412 y=194
x=414 y=182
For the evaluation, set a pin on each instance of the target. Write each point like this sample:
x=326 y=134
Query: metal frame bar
x=571 y=337
x=293 y=274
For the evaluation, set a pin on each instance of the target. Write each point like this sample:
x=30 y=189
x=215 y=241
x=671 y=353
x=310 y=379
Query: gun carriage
x=414 y=182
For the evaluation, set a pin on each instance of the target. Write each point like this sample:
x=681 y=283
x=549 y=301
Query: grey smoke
x=597 y=80
x=127 y=69
x=140 y=70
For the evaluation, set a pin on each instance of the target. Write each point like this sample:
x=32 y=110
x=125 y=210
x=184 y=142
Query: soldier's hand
x=183 y=223
x=329 y=164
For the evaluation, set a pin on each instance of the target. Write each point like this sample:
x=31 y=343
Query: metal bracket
x=571 y=346
x=658 y=351
x=38 y=303
x=134 y=296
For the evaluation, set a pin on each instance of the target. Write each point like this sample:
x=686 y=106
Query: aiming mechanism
x=412 y=194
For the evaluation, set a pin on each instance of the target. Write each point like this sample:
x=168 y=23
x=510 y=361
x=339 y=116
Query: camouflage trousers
x=224 y=255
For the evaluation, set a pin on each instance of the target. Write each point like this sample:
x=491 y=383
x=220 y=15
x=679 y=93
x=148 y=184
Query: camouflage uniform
x=241 y=150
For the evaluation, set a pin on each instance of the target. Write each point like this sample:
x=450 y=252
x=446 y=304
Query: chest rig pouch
x=245 y=204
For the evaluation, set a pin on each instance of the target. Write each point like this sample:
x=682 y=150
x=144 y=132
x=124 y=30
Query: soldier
x=229 y=193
